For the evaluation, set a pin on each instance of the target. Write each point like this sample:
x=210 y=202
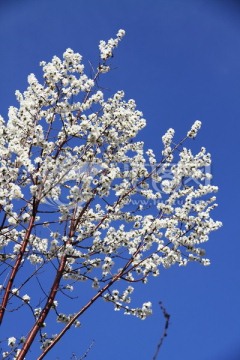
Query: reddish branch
x=54 y=289
x=15 y=269
x=45 y=311
x=82 y=310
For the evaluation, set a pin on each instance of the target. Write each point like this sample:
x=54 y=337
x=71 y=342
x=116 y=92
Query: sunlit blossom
x=83 y=203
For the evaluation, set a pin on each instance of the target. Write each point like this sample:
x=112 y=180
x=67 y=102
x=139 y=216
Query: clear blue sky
x=180 y=61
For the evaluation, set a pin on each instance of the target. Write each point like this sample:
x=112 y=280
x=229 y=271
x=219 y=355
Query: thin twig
x=87 y=351
x=164 y=334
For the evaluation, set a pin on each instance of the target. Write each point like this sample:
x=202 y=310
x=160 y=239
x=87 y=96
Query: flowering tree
x=85 y=212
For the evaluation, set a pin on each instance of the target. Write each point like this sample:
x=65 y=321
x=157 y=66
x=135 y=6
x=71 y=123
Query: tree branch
x=164 y=334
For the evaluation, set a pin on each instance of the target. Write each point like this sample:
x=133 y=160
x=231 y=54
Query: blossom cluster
x=106 y=48
x=70 y=171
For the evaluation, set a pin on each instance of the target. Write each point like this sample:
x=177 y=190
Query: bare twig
x=87 y=351
x=164 y=334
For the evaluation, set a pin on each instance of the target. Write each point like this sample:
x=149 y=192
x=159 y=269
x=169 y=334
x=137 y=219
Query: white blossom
x=83 y=204
x=15 y=291
x=194 y=129
x=26 y=298
x=12 y=341
x=106 y=48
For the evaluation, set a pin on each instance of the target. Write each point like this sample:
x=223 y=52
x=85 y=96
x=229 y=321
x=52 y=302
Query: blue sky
x=180 y=61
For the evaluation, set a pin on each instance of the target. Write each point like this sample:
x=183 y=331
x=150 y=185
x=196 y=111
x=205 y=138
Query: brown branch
x=164 y=334
x=39 y=322
x=52 y=294
x=82 y=310
x=15 y=269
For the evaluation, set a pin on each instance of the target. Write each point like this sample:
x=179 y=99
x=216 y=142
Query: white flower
x=95 y=283
x=55 y=303
x=205 y=262
x=167 y=138
x=121 y=33
x=37 y=311
x=15 y=291
x=147 y=308
x=194 y=129
x=81 y=196
x=26 y=298
x=69 y=287
x=106 y=49
x=11 y=341
x=25 y=217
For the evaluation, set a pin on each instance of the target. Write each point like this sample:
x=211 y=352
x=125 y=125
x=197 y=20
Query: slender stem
x=38 y=324
x=164 y=334
x=83 y=309
x=52 y=294
x=15 y=268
